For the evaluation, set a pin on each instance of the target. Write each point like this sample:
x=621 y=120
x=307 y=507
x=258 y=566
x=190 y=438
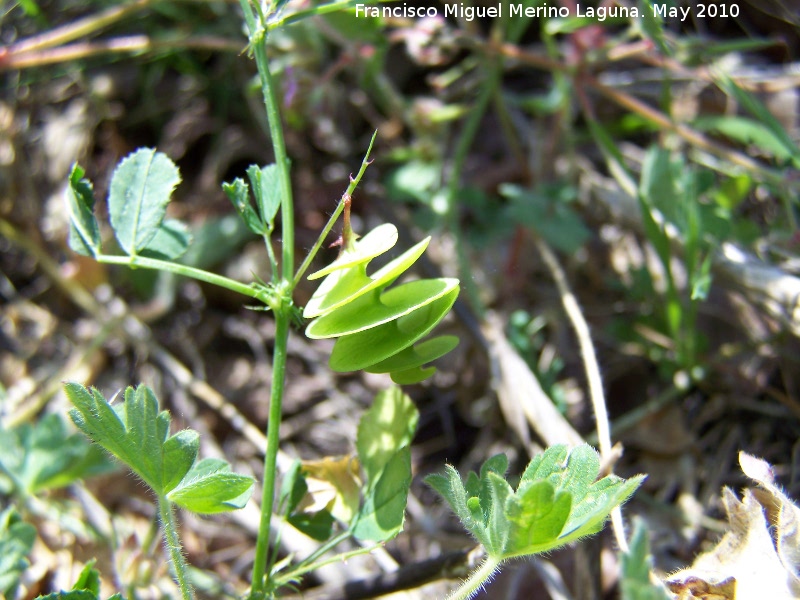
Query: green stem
x=271 y=457
x=335 y=216
x=309 y=564
x=258 y=42
x=174 y=547
x=339 y=558
x=311 y=12
x=476 y=579
x=250 y=290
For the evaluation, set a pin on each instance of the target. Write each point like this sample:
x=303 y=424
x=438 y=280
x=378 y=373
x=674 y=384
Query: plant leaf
x=386 y=428
x=383 y=442
x=538 y=513
x=84 y=233
x=238 y=192
x=318 y=526
x=557 y=501
x=44 y=456
x=170 y=241
x=140 y=190
x=762 y=114
x=16 y=542
x=293 y=488
x=210 y=487
x=88 y=579
x=635 y=583
x=266 y=189
x=383 y=512
x=136 y=433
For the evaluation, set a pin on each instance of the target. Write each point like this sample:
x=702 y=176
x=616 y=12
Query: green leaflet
x=210 y=487
x=137 y=433
x=383 y=442
x=140 y=190
x=16 y=542
x=557 y=501
x=376 y=328
x=45 y=456
x=84 y=233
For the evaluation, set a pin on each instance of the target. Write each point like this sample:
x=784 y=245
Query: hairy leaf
x=136 y=433
x=210 y=487
x=45 y=456
x=557 y=501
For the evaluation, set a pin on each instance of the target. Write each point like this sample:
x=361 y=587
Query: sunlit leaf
x=140 y=190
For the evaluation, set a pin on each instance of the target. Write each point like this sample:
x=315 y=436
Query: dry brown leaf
x=521 y=396
x=753 y=560
x=782 y=513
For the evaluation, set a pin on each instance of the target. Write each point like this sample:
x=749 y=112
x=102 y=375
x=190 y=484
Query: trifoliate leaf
x=557 y=501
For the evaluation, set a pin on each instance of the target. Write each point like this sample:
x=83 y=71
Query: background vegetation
x=646 y=168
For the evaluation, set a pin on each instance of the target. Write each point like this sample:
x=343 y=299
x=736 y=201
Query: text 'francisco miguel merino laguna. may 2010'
x=601 y=13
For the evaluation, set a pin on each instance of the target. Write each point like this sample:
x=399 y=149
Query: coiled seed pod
x=377 y=328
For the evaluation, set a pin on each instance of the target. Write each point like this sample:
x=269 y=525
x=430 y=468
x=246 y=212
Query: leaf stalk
x=477 y=579
x=174 y=549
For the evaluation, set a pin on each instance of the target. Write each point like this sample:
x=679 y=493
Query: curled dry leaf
x=757 y=558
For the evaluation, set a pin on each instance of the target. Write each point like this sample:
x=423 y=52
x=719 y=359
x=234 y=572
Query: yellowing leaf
x=333 y=484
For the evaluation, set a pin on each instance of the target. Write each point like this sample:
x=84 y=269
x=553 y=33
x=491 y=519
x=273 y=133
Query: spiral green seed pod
x=377 y=329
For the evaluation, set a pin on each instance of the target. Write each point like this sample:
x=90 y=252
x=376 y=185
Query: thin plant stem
x=256 y=24
x=354 y=181
x=342 y=557
x=477 y=579
x=271 y=456
x=590 y=364
x=253 y=291
x=174 y=547
x=311 y=12
x=258 y=44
